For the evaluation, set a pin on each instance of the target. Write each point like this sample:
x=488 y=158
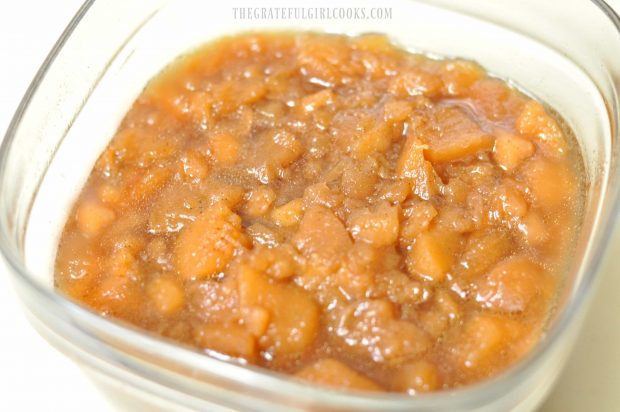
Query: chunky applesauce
x=333 y=208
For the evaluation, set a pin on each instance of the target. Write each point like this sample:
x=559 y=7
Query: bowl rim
x=470 y=395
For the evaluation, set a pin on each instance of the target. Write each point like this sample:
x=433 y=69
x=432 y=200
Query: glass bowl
x=566 y=56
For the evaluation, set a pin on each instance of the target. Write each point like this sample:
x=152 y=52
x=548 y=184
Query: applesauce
x=334 y=208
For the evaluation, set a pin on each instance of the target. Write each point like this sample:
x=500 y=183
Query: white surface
x=34 y=376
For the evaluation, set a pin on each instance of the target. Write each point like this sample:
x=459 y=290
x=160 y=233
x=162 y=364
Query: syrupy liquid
x=333 y=208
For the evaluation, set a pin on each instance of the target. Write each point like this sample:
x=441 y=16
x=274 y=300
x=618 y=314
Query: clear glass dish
x=565 y=54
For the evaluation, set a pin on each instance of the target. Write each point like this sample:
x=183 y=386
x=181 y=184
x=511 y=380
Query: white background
x=35 y=377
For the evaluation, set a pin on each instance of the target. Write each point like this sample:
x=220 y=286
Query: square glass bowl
x=565 y=53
